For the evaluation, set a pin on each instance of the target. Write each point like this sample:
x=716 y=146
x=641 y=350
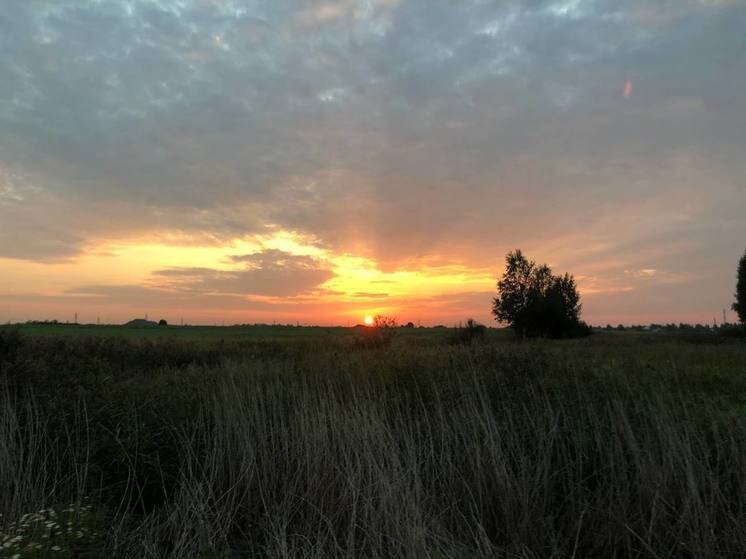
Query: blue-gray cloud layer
x=411 y=128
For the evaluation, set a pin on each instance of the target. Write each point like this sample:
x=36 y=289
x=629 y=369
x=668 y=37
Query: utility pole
x=725 y=318
x=76 y=318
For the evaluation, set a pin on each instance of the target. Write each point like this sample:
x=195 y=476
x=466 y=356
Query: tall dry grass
x=512 y=450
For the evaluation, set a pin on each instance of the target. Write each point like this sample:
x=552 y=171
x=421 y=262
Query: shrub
x=379 y=335
x=468 y=333
x=733 y=331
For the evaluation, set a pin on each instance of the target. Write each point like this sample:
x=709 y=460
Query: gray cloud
x=274 y=259
x=401 y=130
x=271 y=272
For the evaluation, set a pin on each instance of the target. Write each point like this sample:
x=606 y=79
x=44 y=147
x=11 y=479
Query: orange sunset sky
x=317 y=162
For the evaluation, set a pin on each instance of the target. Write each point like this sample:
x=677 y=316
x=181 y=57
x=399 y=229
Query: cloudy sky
x=265 y=160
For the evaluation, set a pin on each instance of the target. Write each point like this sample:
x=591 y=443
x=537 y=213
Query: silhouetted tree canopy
x=534 y=302
x=740 y=305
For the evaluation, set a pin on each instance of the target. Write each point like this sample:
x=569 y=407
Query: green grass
x=174 y=332
x=205 y=333
x=313 y=445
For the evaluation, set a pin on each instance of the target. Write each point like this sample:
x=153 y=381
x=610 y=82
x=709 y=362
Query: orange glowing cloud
x=281 y=276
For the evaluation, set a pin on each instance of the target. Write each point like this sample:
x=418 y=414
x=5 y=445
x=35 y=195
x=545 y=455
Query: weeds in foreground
x=69 y=532
x=552 y=450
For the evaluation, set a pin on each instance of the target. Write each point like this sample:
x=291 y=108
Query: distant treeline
x=655 y=327
x=668 y=327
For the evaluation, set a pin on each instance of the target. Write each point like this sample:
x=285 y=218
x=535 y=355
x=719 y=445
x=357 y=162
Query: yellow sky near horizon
x=203 y=283
x=356 y=287
x=286 y=277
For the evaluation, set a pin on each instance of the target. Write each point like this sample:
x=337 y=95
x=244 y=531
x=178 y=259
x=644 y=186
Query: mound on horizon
x=141 y=323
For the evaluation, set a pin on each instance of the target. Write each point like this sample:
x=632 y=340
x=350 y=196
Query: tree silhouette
x=536 y=303
x=740 y=305
x=514 y=291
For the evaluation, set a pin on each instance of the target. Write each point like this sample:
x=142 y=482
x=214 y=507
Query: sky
x=309 y=162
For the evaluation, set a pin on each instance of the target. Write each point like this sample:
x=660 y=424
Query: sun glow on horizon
x=95 y=279
x=121 y=276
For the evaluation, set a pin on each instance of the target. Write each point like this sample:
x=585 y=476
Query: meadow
x=302 y=442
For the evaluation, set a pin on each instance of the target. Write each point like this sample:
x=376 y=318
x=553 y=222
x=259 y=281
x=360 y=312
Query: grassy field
x=294 y=442
x=205 y=333
x=175 y=332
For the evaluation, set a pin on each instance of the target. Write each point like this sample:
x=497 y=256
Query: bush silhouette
x=467 y=333
x=381 y=334
x=536 y=303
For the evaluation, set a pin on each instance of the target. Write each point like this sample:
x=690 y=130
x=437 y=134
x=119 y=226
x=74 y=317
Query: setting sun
x=369 y=320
